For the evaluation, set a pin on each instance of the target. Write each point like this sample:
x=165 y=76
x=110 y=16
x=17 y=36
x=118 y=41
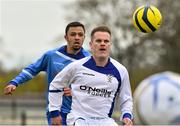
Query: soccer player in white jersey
x=52 y=62
x=95 y=82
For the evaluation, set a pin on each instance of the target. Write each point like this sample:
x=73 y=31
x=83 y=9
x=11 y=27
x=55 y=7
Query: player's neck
x=101 y=61
x=71 y=51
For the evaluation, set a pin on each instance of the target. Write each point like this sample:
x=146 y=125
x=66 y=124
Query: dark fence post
x=13 y=109
x=23 y=118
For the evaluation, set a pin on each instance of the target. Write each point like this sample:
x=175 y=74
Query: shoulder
x=50 y=52
x=117 y=64
x=120 y=67
x=76 y=64
x=86 y=52
x=81 y=61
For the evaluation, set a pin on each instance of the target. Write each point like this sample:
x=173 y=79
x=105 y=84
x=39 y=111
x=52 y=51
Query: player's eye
x=73 y=34
x=80 y=34
x=98 y=41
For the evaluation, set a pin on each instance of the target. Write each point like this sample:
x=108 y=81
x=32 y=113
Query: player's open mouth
x=76 y=43
x=102 y=49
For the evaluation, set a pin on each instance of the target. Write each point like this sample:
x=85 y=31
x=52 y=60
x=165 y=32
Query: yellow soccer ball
x=147 y=18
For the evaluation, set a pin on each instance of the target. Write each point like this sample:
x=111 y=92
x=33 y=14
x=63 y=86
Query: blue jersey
x=52 y=62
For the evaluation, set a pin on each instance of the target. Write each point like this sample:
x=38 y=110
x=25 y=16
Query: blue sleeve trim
x=56 y=91
x=127 y=115
x=13 y=83
x=55 y=113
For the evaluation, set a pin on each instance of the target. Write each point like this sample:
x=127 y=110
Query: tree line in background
x=143 y=54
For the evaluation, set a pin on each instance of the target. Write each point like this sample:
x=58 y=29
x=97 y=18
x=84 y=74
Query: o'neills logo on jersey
x=96 y=91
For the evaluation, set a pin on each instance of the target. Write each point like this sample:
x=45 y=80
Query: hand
x=56 y=121
x=9 y=89
x=127 y=122
x=67 y=91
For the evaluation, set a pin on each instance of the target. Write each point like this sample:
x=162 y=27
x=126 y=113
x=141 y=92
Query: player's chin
x=77 y=47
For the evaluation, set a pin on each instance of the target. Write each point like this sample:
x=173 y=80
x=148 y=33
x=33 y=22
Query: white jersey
x=94 y=88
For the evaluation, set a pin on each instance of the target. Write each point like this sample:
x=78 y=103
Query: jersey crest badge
x=109 y=78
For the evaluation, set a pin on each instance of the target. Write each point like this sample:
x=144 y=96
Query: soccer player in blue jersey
x=52 y=62
x=95 y=83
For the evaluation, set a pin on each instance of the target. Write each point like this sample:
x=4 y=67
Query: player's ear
x=90 y=44
x=65 y=36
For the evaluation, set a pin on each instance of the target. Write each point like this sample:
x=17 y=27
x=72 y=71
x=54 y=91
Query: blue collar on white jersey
x=108 y=69
x=78 y=56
